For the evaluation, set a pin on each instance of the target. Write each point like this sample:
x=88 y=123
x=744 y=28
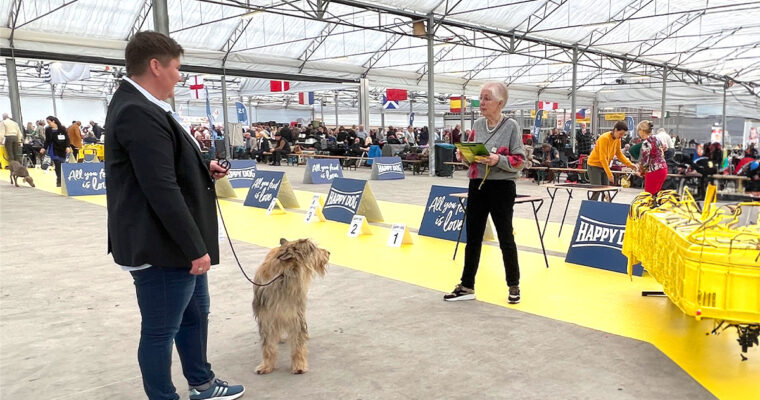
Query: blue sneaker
x=219 y=390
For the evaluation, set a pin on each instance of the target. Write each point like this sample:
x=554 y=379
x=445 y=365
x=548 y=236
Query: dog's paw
x=263 y=369
x=299 y=369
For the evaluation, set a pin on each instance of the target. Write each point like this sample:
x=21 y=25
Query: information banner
x=268 y=186
x=83 y=179
x=322 y=170
x=598 y=237
x=387 y=168
x=444 y=216
x=241 y=173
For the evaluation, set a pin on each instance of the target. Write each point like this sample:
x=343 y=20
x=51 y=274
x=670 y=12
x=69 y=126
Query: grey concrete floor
x=69 y=328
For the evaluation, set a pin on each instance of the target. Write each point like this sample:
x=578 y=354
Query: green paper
x=470 y=150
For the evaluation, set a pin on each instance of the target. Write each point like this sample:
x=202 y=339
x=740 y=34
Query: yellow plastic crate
x=709 y=269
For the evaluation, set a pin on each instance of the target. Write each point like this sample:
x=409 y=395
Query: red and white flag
x=279 y=86
x=547 y=105
x=197 y=90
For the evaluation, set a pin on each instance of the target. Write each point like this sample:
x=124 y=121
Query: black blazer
x=59 y=145
x=160 y=195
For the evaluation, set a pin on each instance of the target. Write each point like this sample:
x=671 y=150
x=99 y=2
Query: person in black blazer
x=57 y=145
x=162 y=223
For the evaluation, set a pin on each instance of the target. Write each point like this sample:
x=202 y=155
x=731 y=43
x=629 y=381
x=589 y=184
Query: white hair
x=661 y=130
x=498 y=90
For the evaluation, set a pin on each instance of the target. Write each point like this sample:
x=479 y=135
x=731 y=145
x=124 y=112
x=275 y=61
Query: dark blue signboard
x=386 y=168
x=241 y=173
x=84 y=179
x=343 y=199
x=598 y=237
x=444 y=216
x=321 y=170
x=265 y=187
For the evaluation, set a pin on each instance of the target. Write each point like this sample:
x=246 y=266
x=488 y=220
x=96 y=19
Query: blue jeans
x=174 y=306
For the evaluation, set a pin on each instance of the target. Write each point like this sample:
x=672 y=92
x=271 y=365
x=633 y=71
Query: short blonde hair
x=645 y=126
x=498 y=90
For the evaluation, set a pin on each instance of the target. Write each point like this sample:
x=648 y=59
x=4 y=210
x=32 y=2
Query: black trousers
x=76 y=152
x=57 y=172
x=496 y=197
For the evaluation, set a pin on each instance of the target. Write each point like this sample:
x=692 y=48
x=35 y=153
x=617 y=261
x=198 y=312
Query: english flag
x=197 y=87
x=279 y=86
x=395 y=94
x=547 y=105
x=306 y=98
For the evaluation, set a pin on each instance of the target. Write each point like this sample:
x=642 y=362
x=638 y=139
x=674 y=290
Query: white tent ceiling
x=522 y=42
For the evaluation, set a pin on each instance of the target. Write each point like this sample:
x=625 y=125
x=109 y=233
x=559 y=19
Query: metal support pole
x=461 y=115
x=431 y=89
x=364 y=102
x=723 y=136
x=13 y=90
x=336 y=109
x=250 y=113
x=161 y=24
x=664 y=92
x=224 y=104
x=322 y=110
x=678 y=122
x=382 y=119
x=596 y=123
x=52 y=95
x=411 y=108
x=572 y=99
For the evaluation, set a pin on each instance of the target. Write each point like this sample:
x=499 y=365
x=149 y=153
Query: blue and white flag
x=389 y=104
x=242 y=114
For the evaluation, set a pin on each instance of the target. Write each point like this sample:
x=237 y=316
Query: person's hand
x=611 y=177
x=201 y=265
x=491 y=160
x=216 y=170
x=68 y=150
x=459 y=156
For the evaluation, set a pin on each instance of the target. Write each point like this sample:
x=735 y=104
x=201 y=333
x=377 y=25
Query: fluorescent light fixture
x=340 y=58
x=250 y=14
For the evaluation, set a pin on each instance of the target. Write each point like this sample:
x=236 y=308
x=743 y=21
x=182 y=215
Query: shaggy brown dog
x=280 y=308
x=19 y=171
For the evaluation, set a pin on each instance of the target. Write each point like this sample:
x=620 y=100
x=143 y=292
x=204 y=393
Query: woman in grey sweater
x=492 y=190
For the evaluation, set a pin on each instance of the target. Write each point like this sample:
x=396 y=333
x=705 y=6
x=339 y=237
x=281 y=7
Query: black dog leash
x=225 y=164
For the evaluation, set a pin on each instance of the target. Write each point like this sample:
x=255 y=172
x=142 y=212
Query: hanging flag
x=211 y=121
x=68 y=72
x=455 y=104
x=395 y=94
x=537 y=125
x=197 y=87
x=306 y=98
x=547 y=105
x=581 y=114
x=474 y=103
x=389 y=104
x=279 y=86
x=45 y=73
x=242 y=114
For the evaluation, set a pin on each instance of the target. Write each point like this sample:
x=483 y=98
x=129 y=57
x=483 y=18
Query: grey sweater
x=507 y=135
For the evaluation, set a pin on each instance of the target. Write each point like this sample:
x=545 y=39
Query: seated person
x=260 y=146
x=91 y=139
x=549 y=156
x=392 y=139
x=751 y=171
x=281 y=149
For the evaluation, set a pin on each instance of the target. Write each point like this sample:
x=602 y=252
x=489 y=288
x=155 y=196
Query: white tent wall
x=34 y=108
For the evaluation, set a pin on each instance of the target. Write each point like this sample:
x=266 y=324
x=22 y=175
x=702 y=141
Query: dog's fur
x=19 y=171
x=280 y=308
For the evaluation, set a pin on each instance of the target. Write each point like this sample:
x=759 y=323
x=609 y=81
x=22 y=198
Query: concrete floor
x=69 y=326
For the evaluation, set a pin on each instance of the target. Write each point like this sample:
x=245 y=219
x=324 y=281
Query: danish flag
x=547 y=105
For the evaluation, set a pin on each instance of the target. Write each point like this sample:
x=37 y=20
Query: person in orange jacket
x=607 y=147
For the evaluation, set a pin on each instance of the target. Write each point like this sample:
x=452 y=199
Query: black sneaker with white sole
x=460 y=293
x=514 y=295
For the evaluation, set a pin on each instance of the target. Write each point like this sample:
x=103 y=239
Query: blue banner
x=242 y=114
x=242 y=173
x=567 y=126
x=265 y=187
x=84 y=179
x=343 y=199
x=411 y=118
x=387 y=168
x=598 y=237
x=630 y=123
x=444 y=216
x=322 y=170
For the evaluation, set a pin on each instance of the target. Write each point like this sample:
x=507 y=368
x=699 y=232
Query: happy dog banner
x=385 y=168
x=348 y=197
x=241 y=173
x=598 y=237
